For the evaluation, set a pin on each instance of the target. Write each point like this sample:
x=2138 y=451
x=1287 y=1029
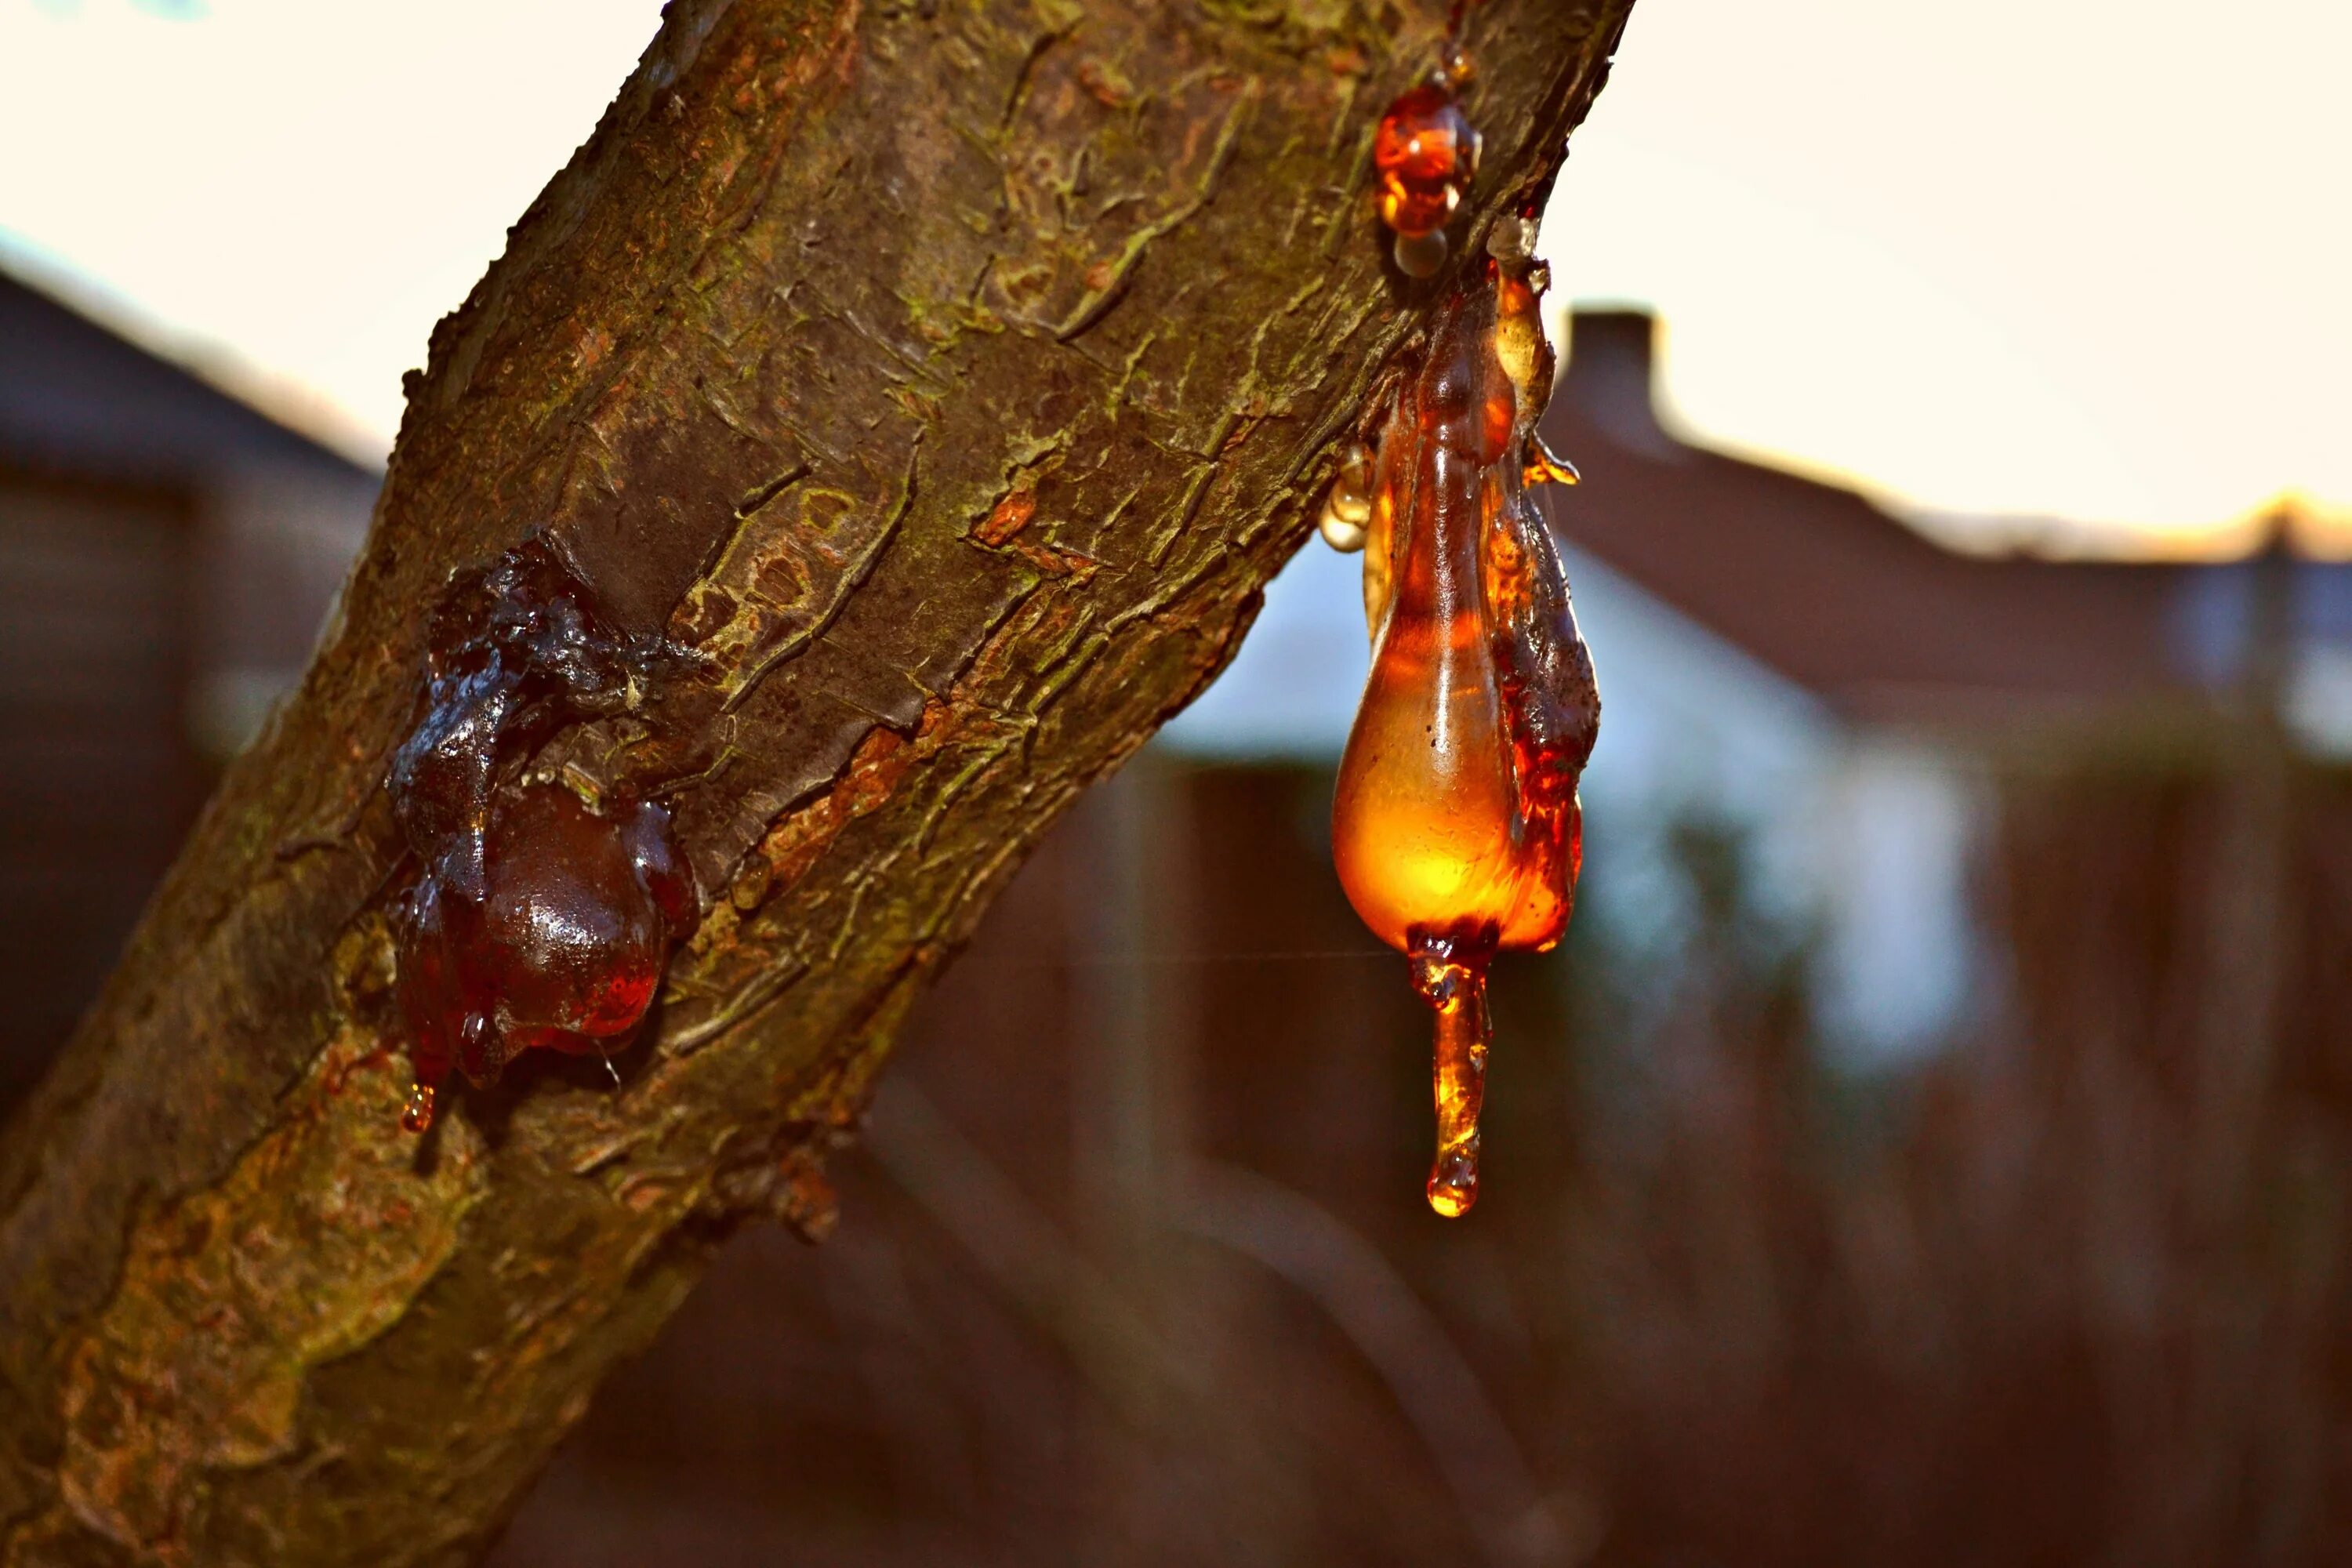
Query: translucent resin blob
x=1426 y=154
x=1457 y=828
x=531 y=919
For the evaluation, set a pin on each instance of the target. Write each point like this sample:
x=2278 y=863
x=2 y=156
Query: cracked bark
x=953 y=375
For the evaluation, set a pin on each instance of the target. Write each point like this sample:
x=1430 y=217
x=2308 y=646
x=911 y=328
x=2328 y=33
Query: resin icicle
x=1457 y=828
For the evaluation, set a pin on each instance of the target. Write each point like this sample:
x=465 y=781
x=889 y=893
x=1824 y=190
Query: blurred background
x=1934 y=1143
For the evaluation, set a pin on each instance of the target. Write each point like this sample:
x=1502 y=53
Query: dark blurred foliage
x=1134 y=1268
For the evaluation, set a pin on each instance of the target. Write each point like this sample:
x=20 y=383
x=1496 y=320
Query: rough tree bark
x=954 y=373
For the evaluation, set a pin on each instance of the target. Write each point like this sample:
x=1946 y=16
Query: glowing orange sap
x=1457 y=830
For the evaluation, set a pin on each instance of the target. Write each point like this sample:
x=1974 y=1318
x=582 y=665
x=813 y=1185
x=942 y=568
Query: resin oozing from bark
x=1425 y=155
x=532 y=918
x=1457 y=828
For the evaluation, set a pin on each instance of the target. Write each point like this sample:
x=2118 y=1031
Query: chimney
x=1607 y=379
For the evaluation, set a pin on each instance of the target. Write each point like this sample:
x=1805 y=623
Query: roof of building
x=80 y=396
x=1820 y=584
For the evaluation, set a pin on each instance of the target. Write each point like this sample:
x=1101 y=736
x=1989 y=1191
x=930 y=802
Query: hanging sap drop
x=1456 y=829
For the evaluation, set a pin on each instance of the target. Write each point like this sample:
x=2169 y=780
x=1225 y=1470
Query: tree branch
x=952 y=375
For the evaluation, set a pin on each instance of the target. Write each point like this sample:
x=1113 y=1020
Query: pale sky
x=2073 y=259
x=2086 y=258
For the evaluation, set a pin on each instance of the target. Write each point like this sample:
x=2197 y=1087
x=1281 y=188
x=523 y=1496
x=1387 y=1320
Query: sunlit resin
x=1425 y=154
x=1456 y=829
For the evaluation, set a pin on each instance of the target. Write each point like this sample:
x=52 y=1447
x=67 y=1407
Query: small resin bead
x=1348 y=504
x=1421 y=255
x=1351 y=488
x=1427 y=153
x=1341 y=535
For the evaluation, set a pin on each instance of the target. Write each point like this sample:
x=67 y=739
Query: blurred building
x=166 y=555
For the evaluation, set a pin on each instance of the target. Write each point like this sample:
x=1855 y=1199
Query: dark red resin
x=533 y=920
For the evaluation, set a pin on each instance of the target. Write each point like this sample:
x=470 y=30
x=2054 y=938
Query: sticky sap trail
x=1456 y=829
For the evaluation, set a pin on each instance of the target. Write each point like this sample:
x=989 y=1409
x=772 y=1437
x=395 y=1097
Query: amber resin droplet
x=1348 y=504
x=1457 y=828
x=1426 y=154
